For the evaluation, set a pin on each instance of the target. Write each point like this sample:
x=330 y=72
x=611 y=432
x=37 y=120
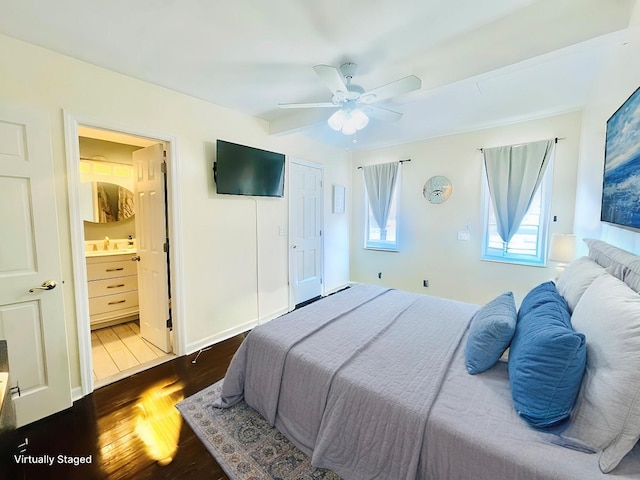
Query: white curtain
x=514 y=174
x=380 y=181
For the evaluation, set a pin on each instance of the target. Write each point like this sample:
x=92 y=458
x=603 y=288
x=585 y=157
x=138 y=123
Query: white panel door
x=151 y=235
x=33 y=323
x=305 y=189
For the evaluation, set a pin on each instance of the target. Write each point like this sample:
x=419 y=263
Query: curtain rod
x=555 y=140
x=399 y=161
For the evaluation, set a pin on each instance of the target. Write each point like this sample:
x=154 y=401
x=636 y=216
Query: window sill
x=382 y=249
x=515 y=261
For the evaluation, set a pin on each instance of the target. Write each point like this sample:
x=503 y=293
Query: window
x=529 y=244
x=375 y=237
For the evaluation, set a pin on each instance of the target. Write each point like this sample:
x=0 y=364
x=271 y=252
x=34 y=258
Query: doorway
x=122 y=268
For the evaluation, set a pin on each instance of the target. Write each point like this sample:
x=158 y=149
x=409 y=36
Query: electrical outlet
x=463 y=235
x=425 y=283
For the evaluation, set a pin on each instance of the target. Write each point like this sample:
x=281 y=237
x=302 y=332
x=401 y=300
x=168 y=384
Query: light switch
x=463 y=236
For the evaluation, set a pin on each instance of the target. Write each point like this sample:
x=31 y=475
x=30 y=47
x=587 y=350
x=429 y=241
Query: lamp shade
x=563 y=247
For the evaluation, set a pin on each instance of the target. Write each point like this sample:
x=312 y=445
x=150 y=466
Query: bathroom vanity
x=113 y=288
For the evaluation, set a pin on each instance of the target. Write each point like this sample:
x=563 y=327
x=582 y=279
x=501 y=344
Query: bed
x=375 y=383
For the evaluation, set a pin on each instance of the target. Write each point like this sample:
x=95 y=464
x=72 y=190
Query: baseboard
x=337 y=289
x=76 y=394
x=232 y=332
x=271 y=316
x=220 y=337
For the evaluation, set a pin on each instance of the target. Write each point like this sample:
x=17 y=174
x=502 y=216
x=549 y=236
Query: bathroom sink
x=117 y=251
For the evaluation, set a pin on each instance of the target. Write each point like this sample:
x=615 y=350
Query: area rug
x=243 y=443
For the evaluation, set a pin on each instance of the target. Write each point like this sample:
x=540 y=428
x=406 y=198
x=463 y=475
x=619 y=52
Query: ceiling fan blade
x=404 y=85
x=380 y=113
x=308 y=105
x=331 y=78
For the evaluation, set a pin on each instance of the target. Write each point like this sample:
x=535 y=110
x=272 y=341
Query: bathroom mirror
x=103 y=202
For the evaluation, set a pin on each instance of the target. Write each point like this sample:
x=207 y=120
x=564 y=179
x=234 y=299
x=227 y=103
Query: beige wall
x=220 y=252
x=429 y=248
x=221 y=246
x=619 y=78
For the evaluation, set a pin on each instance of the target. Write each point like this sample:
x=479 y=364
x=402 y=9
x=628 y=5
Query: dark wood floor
x=103 y=425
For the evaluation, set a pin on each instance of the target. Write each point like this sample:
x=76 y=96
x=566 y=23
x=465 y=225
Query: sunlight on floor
x=158 y=422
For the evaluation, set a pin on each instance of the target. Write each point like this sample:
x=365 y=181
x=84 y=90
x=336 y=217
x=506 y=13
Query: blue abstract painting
x=621 y=184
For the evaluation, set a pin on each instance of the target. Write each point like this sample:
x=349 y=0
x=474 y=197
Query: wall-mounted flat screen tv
x=242 y=170
x=621 y=179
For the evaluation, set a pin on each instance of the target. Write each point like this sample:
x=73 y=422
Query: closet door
x=306 y=231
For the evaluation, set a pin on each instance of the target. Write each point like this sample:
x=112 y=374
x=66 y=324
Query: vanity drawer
x=110 y=303
x=97 y=271
x=109 y=286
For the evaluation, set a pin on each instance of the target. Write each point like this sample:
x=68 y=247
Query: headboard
x=619 y=263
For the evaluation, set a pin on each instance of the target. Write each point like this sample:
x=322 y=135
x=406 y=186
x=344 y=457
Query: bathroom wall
x=119 y=229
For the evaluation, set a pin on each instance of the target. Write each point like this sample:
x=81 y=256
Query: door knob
x=47 y=285
x=135 y=258
x=294 y=246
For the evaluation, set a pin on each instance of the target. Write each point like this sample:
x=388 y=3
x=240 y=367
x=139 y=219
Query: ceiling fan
x=356 y=104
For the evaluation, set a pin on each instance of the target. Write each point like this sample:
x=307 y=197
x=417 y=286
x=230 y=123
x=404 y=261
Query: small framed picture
x=338 y=198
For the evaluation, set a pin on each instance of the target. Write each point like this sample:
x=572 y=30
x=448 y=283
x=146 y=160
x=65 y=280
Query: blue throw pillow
x=547 y=359
x=543 y=293
x=490 y=333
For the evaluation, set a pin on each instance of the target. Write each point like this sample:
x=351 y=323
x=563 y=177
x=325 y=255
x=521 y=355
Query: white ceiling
x=481 y=63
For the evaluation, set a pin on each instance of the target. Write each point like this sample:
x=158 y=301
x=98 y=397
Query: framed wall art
x=621 y=179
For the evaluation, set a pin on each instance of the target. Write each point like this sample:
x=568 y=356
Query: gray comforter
x=371 y=383
x=352 y=381
x=474 y=432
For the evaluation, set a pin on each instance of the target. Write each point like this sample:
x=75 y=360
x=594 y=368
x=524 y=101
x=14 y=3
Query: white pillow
x=607 y=414
x=576 y=278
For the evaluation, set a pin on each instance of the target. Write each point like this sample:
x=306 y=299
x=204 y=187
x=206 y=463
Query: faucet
x=106 y=243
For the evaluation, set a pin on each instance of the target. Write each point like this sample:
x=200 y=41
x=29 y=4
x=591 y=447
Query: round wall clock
x=437 y=189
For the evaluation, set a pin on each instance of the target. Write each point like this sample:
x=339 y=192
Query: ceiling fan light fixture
x=347 y=97
x=349 y=121
x=359 y=119
x=337 y=120
x=349 y=128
